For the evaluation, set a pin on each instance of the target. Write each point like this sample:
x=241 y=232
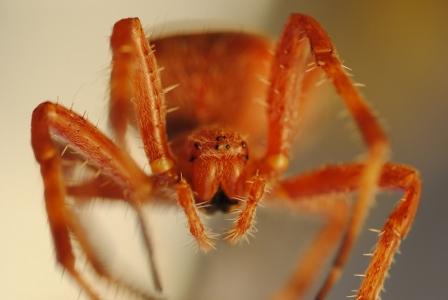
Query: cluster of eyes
x=219 y=146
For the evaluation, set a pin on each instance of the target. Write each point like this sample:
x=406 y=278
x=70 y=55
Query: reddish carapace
x=229 y=133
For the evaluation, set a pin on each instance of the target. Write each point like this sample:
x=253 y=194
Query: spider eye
x=197 y=145
x=243 y=144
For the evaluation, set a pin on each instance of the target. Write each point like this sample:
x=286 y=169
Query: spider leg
x=255 y=186
x=291 y=81
x=345 y=178
x=304 y=39
x=136 y=87
x=286 y=77
x=275 y=162
x=102 y=187
x=186 y=200
x=97 y=188
x=54 y=120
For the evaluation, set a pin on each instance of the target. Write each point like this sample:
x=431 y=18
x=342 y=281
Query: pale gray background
x=59 y=50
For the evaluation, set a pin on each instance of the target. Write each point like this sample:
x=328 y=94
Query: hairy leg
x=51 y=120
x=136 y=90
x=302 y=34
x=291 y=80
x=346 y=178
x=186 y=201
x=303 y=39
x=255 y=187
x=288 y=97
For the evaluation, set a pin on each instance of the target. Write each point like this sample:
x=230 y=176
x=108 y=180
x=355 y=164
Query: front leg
x=303 y=50
x=254 y=190
x=186 y=200
x=136 y=90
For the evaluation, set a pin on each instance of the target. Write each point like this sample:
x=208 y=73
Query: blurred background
x=59 y=51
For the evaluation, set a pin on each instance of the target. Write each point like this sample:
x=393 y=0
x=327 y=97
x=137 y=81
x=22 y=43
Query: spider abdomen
x=217 y=75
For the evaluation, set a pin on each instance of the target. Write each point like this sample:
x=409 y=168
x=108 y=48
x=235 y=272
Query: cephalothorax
x=217 y=160
x=211 y=149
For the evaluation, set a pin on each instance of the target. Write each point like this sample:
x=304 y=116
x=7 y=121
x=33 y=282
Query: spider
x=209 y=151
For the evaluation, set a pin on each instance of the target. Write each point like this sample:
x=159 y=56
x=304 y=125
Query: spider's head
x=218 y=157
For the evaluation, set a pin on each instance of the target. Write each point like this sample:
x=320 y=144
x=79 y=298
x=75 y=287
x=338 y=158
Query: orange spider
x=207 y=162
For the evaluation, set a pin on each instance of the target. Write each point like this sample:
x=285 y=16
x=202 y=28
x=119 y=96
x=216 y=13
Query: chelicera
x=198 y=153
